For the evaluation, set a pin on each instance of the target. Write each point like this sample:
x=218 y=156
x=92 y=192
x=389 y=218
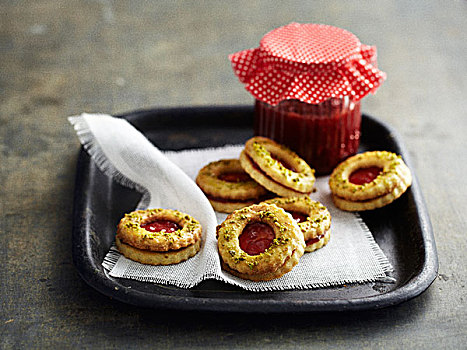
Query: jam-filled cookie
x=228 y=187
x=259 y=243
x=277 y=168
x=158 y=236
x=313 y=218
x=369 y=180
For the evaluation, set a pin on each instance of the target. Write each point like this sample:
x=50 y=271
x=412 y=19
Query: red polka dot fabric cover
x=308 y=62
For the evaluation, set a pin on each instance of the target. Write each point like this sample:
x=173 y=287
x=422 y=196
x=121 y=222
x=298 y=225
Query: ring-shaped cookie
x=279 y=164
x=314 y=219
x=285 y=249
x=131 y=232
x=393 y=172
x=228 y=187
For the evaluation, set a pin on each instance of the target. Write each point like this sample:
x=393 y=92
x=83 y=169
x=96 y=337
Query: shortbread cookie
x=228 y=187
x=158 y=230
x=158 y=258
x=369 y=180
x=277 y=168
x=312 y=217
x=260 y=242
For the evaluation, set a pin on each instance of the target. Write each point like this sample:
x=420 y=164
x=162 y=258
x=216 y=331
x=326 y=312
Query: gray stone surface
x=59 y=58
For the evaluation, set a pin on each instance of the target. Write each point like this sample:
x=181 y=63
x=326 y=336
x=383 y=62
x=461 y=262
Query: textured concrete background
x=59 y=58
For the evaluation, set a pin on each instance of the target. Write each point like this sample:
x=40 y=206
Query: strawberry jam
x=235 y=177
x=256 y=238
x=364 y=175
x=161 y=226
x=323 y=134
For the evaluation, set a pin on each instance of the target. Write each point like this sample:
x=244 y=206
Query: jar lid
x=308 y=62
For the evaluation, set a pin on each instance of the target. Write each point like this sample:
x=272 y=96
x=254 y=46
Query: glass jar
x=323 y=134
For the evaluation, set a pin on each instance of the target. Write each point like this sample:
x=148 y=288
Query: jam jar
x=308 y=81
x=323 y=134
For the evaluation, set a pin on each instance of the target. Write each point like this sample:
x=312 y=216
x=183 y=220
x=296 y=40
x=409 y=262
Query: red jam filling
x=299 y=217
x=235 y=177
x=313 y=240
x=161 y=226
x=323 y=135
x=364 y=175
x=256 y=238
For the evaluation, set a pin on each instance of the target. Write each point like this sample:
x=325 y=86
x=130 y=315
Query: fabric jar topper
x=308 y=62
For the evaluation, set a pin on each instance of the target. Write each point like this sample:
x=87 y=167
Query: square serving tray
x=402 y=229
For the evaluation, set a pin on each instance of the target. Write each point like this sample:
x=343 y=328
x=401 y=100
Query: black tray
x=402 y=229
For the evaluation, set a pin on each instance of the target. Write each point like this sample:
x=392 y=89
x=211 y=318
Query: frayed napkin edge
x=91 y=145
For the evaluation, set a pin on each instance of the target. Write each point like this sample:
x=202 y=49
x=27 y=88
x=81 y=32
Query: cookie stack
x=369 y=180
x=277 y=168
x=158 y=236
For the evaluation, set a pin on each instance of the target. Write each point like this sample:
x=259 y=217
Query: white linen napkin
x=166 y=180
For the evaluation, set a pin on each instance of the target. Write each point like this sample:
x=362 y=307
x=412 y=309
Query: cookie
x=228 y=187
x=260 y=242
x=277 y=168
x=369 y=180
x=158 y=236
x=312 y=217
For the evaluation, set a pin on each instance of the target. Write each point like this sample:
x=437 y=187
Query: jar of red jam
x=323 y=134
x=308 y=80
